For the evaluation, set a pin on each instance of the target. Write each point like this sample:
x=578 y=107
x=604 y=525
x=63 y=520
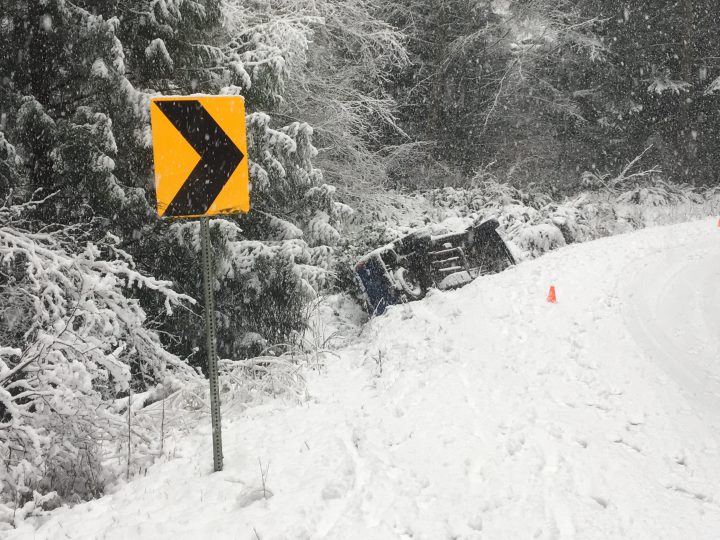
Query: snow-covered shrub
x=273 y=301
x=712 y=196
x=658 y=192
x=252 y=379
x=572 y=221
x=535 y=240
x=72 y=340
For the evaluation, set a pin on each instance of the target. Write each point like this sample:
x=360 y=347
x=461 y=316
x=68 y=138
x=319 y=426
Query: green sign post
x=210 y=340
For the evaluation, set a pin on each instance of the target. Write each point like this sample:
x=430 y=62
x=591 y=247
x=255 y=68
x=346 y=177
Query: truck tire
x=409 y=283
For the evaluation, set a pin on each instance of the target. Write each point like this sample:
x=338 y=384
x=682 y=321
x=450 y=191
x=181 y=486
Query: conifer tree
x=656 y=88
x=492 y=82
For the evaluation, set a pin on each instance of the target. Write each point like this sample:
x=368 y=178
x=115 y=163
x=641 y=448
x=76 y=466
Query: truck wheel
x=409 y=283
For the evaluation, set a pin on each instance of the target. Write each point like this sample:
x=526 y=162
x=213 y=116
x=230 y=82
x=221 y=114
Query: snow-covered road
x=484 y=412
x=673 y=312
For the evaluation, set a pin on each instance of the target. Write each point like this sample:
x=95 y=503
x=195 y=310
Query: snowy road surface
x=479 y=413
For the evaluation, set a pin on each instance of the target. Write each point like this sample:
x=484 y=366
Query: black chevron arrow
x=219 y=157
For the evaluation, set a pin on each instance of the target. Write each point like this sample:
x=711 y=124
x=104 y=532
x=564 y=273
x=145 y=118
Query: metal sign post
x=201 y=169
x=209 y=292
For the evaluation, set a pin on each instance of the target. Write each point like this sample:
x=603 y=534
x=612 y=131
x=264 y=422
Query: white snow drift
x=484 y=412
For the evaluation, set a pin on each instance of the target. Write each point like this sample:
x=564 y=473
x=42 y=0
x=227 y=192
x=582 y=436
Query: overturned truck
x=404 y=270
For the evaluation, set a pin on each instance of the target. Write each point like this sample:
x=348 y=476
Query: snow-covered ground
x=485 y=412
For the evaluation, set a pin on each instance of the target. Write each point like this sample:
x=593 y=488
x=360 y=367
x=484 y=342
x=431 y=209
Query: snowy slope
x=479 y=413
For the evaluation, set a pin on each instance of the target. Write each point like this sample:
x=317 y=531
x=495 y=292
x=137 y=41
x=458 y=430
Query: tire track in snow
x=673 y=314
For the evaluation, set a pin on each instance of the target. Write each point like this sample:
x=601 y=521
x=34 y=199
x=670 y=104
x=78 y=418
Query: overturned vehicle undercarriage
x=404 y=270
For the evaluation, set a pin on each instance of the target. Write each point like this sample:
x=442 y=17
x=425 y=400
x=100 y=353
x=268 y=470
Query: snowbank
x=483 y=412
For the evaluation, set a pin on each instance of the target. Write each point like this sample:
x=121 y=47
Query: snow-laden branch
x=72 y=338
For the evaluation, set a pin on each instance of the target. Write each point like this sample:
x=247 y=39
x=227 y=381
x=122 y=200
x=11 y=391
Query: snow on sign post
x=201 y=170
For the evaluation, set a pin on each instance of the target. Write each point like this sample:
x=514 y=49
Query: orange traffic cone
x=551 y=295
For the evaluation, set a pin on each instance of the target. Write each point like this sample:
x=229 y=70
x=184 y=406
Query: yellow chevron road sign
x=200 y=153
